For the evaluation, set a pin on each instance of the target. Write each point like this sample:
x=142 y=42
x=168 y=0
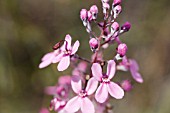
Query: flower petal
x=87 y=106
x=97 y=71
x=68 y=39
x=91 y=86
x=111 y=68
x=47 y=56
x=101 y=93
x=57 y=58
x=46 y=62
x=136 y=76
x=64 y=63
x=73 y=105
x=115 y=90
x=76 y=84
x=75 y=47
x=133 y=64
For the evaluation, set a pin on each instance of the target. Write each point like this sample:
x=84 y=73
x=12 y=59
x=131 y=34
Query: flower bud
x=122 y=49
x=117 y=10
x=126 y=85
x=93 y=43
x=116 y=2
x=114 y=27
x=83 y=14
x=126 y=27
x=106 y=7
x=94 y=11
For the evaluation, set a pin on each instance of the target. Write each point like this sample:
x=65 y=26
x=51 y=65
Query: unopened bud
x=94 y=11
x=114 y=27
x=116 y=2
x=126 y=27
x=117 y=10
x=126 y=85
x=93 y=43
x=106 y=7
x=83 y=14
x=122 y=49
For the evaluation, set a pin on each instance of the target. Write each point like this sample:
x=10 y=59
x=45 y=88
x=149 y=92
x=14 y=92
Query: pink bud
x=126 y=27
x=116 y=2
x=114 y=27
x=126 y=85
x=94 y=11
x=122 y=49
x=106 y=6
x=117 y=10
x=93 y=43
x=83 y=14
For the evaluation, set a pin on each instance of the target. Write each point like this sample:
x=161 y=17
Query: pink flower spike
x=122 y=49
x=106 y=86
x=134 y=71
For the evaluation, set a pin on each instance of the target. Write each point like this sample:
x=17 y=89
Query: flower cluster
x=89 y=88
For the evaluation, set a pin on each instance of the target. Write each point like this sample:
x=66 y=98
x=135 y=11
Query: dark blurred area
x=29 y=29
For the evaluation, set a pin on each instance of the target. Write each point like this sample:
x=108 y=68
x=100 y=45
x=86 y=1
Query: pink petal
x=91 y=86
x=76 y=84
x=47 y=56
x=111 y=68
x=136 y=76
x=44 y=110
x=73 y=105
x=115 y=90
x=50 y=90
x=57 y=58
x=87 y=106
x=68 y=39
x=97 y=71
x=101 y=93
x=47 y=62
x=64 y=63
x=75 y=47
x=133 y=64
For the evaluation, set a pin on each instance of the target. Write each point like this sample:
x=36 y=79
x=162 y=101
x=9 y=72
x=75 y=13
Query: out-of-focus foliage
x=29 y=29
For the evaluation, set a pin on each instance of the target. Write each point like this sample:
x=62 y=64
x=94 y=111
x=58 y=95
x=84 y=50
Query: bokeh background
x=29 y=29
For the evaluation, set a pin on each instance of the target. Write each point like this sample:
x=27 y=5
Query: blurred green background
x=29 y=29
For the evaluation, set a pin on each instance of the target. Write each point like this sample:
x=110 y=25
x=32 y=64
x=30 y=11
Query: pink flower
x=131 y=65
x=106 y=86
x=66 y=51
x=81 y=100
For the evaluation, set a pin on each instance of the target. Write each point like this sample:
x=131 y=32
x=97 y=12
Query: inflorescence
x=88 y=88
